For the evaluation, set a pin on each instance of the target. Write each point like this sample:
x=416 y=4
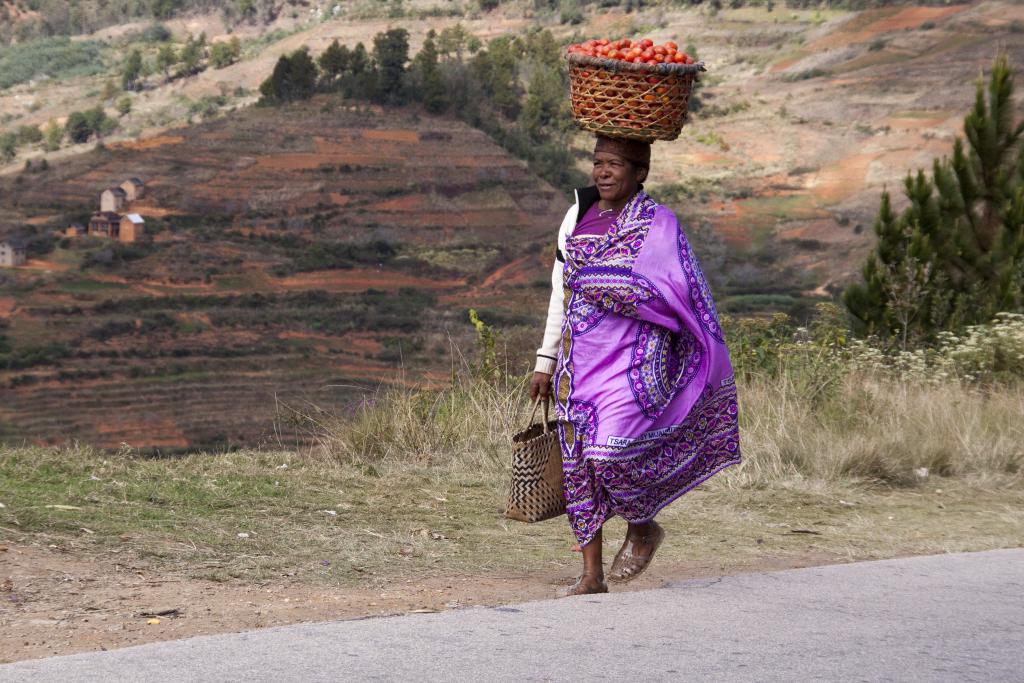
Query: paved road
x=941 y=618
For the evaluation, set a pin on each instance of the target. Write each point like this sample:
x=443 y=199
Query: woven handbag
x=535 y=493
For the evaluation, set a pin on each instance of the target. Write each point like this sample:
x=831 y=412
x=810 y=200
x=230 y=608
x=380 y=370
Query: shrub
x=29 y=135
x=8 y=146
x=156 y=33
x=224 y=54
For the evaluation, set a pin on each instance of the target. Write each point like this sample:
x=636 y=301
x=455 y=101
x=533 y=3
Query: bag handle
x=547 y=405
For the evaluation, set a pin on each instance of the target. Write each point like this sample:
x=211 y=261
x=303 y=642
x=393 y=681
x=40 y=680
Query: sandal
x=578 y=588
x=627 y=564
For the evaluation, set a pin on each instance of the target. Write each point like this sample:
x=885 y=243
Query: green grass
x=52 y=57
x=186 y=515
x=84 y=286
x=788 y=207
x=747 y=303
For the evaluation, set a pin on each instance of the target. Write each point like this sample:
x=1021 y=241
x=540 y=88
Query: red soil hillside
x=298 y=255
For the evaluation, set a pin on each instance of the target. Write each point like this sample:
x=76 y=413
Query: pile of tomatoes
x=642 y=51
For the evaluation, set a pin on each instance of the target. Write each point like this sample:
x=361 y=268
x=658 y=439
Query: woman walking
x=633 y=350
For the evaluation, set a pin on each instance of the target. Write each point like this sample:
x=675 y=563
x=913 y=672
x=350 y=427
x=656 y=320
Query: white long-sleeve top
x=547 y=354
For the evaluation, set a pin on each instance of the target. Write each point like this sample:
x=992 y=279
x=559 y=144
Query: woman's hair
x=636 y=152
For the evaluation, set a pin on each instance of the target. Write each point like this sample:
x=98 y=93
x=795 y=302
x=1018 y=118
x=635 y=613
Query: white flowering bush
x=981 y=354
x=817 y=406
x=990 y=352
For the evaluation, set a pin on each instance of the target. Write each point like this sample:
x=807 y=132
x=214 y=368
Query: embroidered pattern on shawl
x=700 y=293
x=660 y=365
x=636 y=474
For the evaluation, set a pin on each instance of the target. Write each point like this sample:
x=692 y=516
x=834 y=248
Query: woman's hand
x=540 y=386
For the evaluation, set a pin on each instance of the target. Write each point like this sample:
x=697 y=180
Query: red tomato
x=679 y=58
x=689 y=59
x=647 y=54
x=658 y=50
x=671 y=44
x=626 y=42
x=614 y=54
x=652 y=61
x=602 y=41
x=646 y=42
x=659 y=58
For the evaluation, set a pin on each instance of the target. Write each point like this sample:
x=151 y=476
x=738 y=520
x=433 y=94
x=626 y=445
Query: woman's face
x=617 y=179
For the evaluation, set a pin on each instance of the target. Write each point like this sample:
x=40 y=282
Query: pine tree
x=955 y=255
x=359 y=61
x=304 y=75
x=294 y=78
x=431 y=90
x=359 y=80
x=132 y=70
x=166 y=57
x=452 y=41
x=390 y=54
x=495 y=70
x=334 y=62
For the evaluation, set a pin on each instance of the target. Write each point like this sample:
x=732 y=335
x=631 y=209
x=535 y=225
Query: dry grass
x=870 y=430
x=412 y=480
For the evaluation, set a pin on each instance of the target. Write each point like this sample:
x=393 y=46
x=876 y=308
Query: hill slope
x=293 y=249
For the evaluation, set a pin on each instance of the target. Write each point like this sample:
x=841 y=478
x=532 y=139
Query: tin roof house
x=132 y=227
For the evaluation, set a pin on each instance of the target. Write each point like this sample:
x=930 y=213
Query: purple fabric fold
x=645 y=395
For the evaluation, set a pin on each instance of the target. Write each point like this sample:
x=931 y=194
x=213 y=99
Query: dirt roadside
x=53 y=603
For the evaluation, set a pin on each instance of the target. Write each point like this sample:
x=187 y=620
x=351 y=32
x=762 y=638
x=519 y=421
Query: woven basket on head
x=536 y=493
x=645 y=102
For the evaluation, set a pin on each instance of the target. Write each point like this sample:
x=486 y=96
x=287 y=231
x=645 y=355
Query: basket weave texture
x=536 y=493
x=645 y=102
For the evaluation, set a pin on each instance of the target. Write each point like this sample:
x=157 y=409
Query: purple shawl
x=644 y=388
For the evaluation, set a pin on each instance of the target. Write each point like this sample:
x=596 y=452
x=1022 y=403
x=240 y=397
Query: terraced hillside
x=324 y=245
x=298 y=255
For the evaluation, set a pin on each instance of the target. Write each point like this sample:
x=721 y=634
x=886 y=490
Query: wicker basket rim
x=533 y=431
x=618 y=65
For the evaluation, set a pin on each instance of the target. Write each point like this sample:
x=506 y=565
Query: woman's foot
x=636 y=552
x=586 y=584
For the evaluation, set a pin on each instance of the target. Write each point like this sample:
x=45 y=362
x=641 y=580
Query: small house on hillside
x=112 y=199
x=105 y=224
x=133 y=189
x=133 y=227
x=12 y=252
